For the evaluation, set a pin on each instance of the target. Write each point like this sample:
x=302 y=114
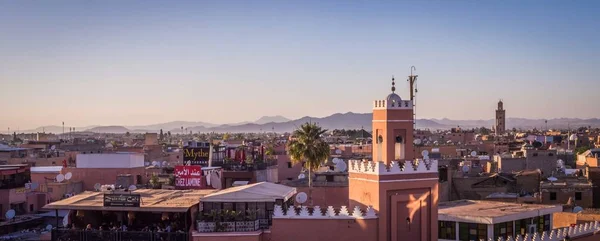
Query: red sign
x=188 y=177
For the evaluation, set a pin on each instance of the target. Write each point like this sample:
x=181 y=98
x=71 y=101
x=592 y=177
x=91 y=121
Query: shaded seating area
x=143 y=214
x=243 y=208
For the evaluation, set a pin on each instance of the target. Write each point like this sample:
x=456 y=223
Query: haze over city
x=136 y=63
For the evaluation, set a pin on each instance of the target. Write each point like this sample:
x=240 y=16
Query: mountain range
x=336 y=121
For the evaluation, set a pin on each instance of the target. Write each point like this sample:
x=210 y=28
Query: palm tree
x=308 y=147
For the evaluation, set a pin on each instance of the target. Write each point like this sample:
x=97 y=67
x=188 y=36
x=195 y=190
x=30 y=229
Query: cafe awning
x=151 y=200
x=257 y=192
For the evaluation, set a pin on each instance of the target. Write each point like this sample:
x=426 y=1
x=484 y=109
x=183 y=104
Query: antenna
x=412 y=79
x=301 y=197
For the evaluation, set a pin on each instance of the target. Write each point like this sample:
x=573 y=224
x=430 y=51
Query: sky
x=145 y=62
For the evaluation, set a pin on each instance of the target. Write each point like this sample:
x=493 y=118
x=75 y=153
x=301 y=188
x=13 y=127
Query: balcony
x=95 y=235
x=232 y=226
x=14 y=181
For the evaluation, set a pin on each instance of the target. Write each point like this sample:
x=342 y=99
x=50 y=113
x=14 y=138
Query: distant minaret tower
x=500 y=119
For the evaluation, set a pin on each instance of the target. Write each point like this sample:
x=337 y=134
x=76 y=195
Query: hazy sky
x=143 y=62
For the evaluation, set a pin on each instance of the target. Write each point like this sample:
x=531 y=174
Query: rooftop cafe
x=242 y=208
x=142 y=214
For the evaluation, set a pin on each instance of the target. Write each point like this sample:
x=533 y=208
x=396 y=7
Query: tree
x=307 y=146
x=162 y=135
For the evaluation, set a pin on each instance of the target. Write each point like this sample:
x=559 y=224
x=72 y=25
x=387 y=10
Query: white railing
x=330 y=213
x=379 y=168
x=557 y=234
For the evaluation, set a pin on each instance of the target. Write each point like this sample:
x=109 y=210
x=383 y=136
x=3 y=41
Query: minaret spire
x=393 y=84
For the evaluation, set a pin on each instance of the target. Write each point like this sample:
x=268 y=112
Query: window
x=552 y=196
x=30 y=208
x=447 y=230
x=289 y=165
x=551 y=154
x=578 y=196
x=472 y=231
x=289 y=179
x=535 y=154
x=503 y=230
x=329 y=178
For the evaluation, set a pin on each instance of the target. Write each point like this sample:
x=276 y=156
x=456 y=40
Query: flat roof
x=152 y=200
x=491 y=212
x=256 y=192
x=46 y=169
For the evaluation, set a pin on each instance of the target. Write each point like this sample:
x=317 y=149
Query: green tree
x=307 y=146
x=162 y=135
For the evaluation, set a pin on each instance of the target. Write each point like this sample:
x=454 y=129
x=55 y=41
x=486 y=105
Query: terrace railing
x=95 y=235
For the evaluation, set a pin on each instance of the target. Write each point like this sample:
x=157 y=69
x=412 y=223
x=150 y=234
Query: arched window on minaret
x=399 y=148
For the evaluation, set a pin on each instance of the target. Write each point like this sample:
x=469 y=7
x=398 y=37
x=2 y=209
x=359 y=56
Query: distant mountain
x=108 y=129
x=171 y=125
x=336 y=121
x=271 y=119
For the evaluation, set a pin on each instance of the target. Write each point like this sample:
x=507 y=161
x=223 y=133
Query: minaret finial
x=393 y=84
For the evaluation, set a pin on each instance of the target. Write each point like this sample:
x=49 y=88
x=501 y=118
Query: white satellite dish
x=49 y=227
x=132 y=187
x=552 y=179
x=335 y=160
x=53 y=147
x=68 y=176
x=577 y=209
x=425 y=153
x=68 y=195
x=465 y=168
x=560 y=163
x=473 y=153
x=97 y=186
x=573 y=137
x=338 y=152
x=301 y=197
x=417 y=141
x=154 y=163
x=301 y=176
x=10 y=214
x=164 y=163
x=60 y=177
x=341 y=166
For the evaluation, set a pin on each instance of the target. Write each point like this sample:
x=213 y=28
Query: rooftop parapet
x=330 y=213
x=395 y=167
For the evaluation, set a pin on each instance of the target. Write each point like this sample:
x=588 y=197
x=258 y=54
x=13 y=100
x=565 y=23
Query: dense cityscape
x=299 y=121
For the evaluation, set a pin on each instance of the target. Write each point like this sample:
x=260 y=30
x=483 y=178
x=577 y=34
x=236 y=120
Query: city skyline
x=138 y=63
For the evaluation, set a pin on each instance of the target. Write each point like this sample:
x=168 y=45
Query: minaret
x=500 y=119
x=402 y=191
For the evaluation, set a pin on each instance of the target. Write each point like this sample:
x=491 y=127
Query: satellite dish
x=68 y=195
x=473 y=153
x=10 y=214
x=426 y=158
x=338 y=151
x=60 y=177
x=49 y=227
x=154 y=163
x=417 y=141
x=335 y=160
x=164 y=163
x=301 y=197
x=552 y=179
x=425 y=153
x=97 y=186
x=560 y=163
x=573 y=137
x=132 y=188
x=341 y=166
x=577 y=209
x=301 y=176
x=465 y=169
x=53 y=147
x=68 y=176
